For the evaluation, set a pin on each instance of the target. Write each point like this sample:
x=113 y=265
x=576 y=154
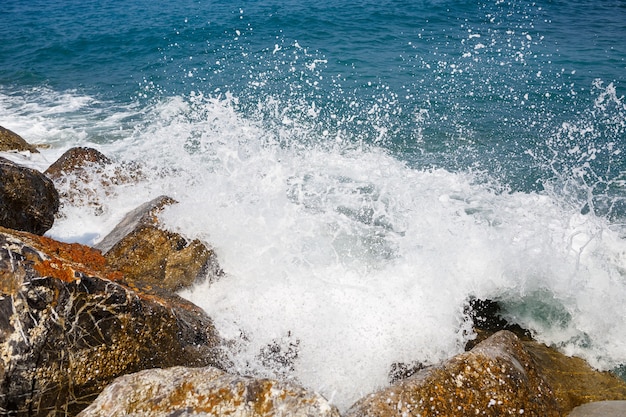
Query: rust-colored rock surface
x=11 y=141
x=208 y=392
x=68 y=327
x=496 y=378
x=151 y=257
x=28 y=199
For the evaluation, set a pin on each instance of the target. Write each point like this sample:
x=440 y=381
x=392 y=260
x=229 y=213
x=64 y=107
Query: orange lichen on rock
x=66 y=258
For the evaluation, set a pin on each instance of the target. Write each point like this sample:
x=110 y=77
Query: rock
x=11 y=141
x=496 y=378
x=207 y=391
x=68 y=327
x=572 y=380
x=151 y=257
x=600 y=409
x=28 y=199
x=77 y=160
x=85 y=177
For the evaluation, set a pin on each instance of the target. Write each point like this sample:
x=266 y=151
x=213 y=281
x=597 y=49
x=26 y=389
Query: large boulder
x=496 y=378
x=28 y=199
x=207 y=391
x=150 y=256
x=11 y=141
x=68 y=327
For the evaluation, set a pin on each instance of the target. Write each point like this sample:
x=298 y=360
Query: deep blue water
x=457 y=84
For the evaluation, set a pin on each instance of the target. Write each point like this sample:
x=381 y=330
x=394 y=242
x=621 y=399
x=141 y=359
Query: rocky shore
x=100 y=331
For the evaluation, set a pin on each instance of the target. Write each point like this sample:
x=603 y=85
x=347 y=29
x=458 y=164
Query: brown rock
x=11 y=141
x=28 y=199
x=572 y=380
x=497 y=378
x=85 y=177
x=150 y=257
x=68 y=327
x=77 y=160
x=182 y=391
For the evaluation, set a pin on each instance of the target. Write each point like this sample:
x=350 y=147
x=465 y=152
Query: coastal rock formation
x=207 y=391
x=28 y=199
x=149 y=256
x=77 y=160
x=572 y=380
x=68 y=327
x=496 y=378
x=11 y=141
x=84 y=177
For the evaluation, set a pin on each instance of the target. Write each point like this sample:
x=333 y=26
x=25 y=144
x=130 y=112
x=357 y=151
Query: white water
x=341 y=249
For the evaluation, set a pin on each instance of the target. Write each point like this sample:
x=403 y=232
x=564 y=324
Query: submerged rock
x=11 y=141
x=28 y=199
x=207 y=391
x=149 y=256
x=68 y=327
x=496 y=378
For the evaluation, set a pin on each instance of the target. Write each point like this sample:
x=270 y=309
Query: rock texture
x=600 y=409
x=28 y=199
x=149 y=256
x=207 y=391
x=68 y=327
x=496 y=378
x=85 y=178
x=77 y=160
x=11 y=141
x=572 y=380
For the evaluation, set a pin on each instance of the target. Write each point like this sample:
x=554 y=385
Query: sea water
x=362 y=169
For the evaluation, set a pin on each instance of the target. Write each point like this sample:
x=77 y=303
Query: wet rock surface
x=28 y=199
x=11 y=141
x=208 y=391
x=68 y=327
x=77 y=160
x=150 y=256
x=496 y=378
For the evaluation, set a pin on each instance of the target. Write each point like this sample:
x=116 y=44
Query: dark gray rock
x=28 y=199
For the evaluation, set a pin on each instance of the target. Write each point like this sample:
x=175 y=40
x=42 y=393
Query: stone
x=151 y=257
x=181 y=391
x=11 y=141
x=69 y=327
x=496 y=378
x=28 y=199
x=86 y=178
x=572 y=380
x=77 y=159
x=600 y=409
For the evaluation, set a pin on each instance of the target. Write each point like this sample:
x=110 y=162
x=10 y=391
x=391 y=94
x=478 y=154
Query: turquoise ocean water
x=362 y=168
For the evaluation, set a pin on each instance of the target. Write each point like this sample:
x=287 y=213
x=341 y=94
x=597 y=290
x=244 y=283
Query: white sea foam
x=354 y=259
